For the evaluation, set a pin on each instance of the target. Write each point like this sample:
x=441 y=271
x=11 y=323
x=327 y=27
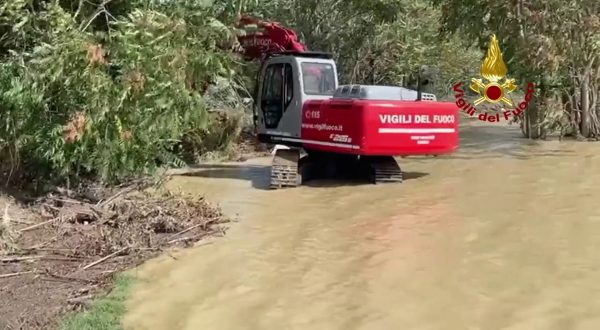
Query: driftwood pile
x=81 y=240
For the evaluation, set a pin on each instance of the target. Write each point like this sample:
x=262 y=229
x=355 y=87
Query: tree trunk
x=531 y=122
x=585 y=106
x=531 y=119
x=372 y=69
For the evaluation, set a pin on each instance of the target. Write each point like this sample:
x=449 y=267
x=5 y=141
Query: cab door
x=277 y=107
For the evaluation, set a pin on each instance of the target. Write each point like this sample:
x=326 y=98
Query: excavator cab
x=285 y=82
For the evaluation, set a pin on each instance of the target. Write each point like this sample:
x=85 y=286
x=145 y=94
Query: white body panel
x=290 y=120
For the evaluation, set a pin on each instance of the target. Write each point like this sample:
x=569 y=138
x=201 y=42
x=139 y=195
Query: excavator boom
x=261 y=38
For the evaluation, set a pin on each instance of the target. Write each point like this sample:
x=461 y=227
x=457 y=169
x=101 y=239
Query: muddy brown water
x=504 y=234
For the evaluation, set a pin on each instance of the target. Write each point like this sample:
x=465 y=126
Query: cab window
x=318 y=78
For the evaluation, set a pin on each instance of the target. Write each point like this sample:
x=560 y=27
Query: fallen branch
x=183 y=239
x=105 y=258
x=14 y=274
x=117 y=195
x=19 y=259
x=23 y=222
x=67 y=200
x=70 y=279
x=183 y=231
x=38 y=225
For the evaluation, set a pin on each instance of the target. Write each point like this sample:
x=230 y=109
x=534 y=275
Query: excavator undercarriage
x=290 y=168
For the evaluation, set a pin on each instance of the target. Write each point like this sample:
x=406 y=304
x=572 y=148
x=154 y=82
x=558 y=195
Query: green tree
x=110 y=101
x=553 y=43
x=376 y=42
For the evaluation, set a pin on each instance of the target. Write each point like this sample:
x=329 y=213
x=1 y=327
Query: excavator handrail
x=311 y=54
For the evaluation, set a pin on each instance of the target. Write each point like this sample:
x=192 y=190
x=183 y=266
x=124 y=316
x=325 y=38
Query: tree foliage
x=377 y=42
x=109 y=103
x=114 y=88
x=111 y=89
x=553 y=43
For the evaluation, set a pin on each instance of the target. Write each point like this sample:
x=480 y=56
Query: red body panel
x=391 y=128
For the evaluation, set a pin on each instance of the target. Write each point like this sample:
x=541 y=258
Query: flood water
x=504 y=234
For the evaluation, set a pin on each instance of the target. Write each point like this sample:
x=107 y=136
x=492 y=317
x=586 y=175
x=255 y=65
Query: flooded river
x=501 y=235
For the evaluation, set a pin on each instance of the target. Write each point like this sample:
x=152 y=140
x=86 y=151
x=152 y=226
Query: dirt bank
x=58 y=251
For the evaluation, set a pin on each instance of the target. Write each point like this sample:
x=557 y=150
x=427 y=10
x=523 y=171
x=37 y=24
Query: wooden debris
x=85 y=240
x=183 y=232
x=38 y=225
x=105 y=258
x=183 y=239
x=14 y=274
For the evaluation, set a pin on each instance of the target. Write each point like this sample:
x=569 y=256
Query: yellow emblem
x=493 y=69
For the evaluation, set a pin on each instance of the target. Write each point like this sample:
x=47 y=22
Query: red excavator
x=299 y=105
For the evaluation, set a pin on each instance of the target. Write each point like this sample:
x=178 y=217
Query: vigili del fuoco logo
x=493 y=88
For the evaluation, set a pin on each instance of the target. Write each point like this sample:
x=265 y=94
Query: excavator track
x=284 y=169
x=288 y=169
x=385 y=170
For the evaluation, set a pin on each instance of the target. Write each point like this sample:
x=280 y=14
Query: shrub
x=109 y=105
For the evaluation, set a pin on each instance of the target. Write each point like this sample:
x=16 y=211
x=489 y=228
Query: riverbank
x=63 y=249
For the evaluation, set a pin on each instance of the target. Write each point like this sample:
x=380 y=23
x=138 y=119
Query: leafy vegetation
x=110 y=102
x=379 y=42
x=554 y=44
x=110 y=89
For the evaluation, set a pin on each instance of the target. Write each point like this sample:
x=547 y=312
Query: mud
x=501 y=235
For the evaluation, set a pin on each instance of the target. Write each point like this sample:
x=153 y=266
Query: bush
x=109 y=105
